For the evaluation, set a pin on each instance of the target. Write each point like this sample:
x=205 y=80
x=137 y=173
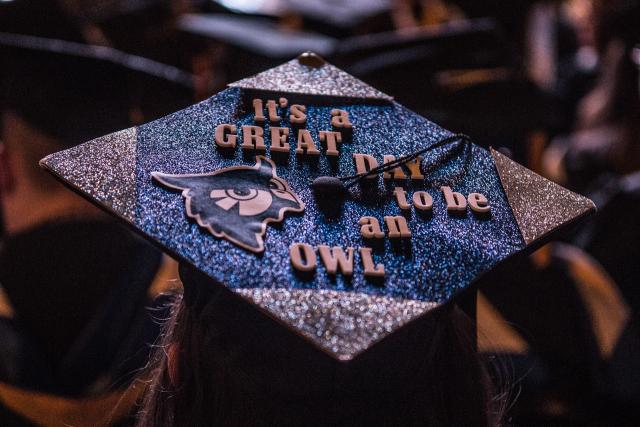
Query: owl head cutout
x=236 y=203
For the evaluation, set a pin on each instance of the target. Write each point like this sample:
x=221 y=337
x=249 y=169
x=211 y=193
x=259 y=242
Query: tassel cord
x=351 y=180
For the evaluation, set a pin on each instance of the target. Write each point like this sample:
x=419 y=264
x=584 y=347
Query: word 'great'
x=253 y=137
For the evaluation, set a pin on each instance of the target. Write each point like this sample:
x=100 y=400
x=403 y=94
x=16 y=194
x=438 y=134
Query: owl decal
x=236 y=203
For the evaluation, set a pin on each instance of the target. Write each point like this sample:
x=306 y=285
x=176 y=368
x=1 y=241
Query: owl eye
x=276 y=185
x=242 y=194
x=250 y=201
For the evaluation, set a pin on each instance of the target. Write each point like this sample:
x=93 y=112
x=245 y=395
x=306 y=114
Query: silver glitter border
x=327 y=80
x=343 y=324
x=105 y=161
x=539 y=205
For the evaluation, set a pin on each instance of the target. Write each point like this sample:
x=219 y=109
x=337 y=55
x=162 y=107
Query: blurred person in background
x=573 y=348
x=75 y=288
x=582 y=362
x=607 y=129
x=602 y=156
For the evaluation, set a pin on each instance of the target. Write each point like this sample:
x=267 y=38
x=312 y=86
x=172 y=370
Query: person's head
x=55 y=95
x=223 y=362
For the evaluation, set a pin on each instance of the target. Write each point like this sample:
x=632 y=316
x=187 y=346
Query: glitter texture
x=292 y=77
x=341 y=323
x=443 y=257
x=539 y=205
x=103 y=168
x=341 y=315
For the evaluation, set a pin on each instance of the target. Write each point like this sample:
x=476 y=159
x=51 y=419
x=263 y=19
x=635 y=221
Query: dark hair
x=214 y=368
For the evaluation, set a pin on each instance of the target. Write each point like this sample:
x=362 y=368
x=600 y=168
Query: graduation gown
x=74 y=322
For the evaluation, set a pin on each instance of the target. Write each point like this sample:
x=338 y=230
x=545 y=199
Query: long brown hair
x=199 y=381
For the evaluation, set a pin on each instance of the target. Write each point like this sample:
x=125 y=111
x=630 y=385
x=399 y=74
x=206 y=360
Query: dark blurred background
x=552 y=84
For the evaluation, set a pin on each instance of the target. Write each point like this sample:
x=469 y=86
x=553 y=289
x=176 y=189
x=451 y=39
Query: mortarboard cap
x=75 y=92
x=399 y=63
x=477 y=43
x=257 y=35
x=408 y=63
x=231 y=186
x=255 y=43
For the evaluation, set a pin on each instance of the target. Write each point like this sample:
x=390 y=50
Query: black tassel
x=332 y=187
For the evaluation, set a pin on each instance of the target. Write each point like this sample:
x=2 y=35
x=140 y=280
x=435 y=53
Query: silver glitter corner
x=343 y=324
x=103 y=168
x=539 y=205
x=327 y=80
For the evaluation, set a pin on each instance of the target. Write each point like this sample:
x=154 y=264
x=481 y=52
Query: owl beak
x=285 y=195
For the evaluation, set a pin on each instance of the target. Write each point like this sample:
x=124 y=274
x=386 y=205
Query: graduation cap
x=75 y=92
x=257 y=35
x=321 y=203
x=256 y=43
x=400 y=63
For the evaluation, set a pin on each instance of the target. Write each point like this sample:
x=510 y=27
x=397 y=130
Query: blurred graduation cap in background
x=400 y=63
x=407 y=64
x=254 y=43
x=346 y=280
x=74 y=92
x=257 y=35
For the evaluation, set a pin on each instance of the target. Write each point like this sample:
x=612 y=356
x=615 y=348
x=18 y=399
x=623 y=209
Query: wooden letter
x=332 y=139
x=306 y=144
x=303 y=258
x=364 y=163
x=397 y=227
x=297 y=114
x=422 y=201
x=395 y=173
x=414 y=169
x=272 y=109
x=401 y=198
x=334 y=259
x=279 y=142
x=258 y=110
x=340 y=119
x=225 y=136
x=455 y=201
x=252 y=137
x=479 y=203
x=370 y=228
x=370 y=269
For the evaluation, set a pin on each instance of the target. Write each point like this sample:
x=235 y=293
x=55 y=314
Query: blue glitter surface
x=445 y=254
